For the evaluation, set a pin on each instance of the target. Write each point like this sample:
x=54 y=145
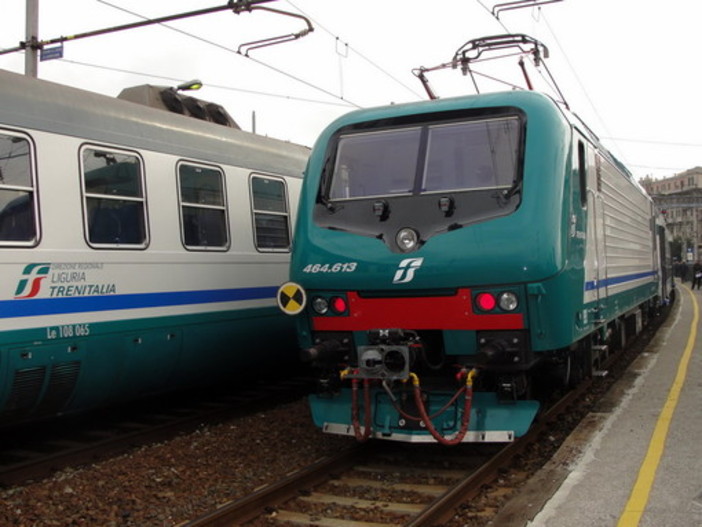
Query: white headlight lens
x=320 y=305
x=407 y=239
x=508 y=301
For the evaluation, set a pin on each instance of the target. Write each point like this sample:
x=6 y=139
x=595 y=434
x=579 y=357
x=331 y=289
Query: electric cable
x=361 y=55
x=236 y=52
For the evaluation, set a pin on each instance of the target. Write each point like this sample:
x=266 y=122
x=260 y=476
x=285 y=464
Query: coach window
x=271 y=217
x=114 y=199
x=203 y=208
x=18 y=219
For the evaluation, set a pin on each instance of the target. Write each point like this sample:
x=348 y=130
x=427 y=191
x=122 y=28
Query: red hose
x=361 y=436
x=425 y=417
x=465 y=419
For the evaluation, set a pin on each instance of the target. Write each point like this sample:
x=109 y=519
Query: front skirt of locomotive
x=491 y=420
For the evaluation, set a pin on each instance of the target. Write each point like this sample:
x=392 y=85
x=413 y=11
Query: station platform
x=636 y=460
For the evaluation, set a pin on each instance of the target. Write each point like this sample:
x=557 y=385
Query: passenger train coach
x=140 y=250
x=453 y=257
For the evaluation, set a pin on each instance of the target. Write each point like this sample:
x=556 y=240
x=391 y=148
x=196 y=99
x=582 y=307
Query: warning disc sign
x=291 y=298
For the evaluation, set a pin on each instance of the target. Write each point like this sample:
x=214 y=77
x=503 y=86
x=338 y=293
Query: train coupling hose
x=346 y=372
x=468 y=375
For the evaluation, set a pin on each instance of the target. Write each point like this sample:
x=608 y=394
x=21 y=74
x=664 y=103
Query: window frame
x=287 y=214
x=85 y=195
x=34 y=191
x=224 y=207
x=426 y=127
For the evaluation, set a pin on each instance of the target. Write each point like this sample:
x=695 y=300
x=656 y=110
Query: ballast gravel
x=169 y=483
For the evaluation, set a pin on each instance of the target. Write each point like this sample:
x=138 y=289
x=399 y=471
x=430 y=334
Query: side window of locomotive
x=18 y=218
x=113 y=190
x=472 y=155
x=375 y=164
x=582 y=173
x=203 y=208
x=269 y=203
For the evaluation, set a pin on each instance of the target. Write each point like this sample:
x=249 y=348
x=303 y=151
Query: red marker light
x=338 y=304
x=486 y=301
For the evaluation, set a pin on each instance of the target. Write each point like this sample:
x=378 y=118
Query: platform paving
x=599 y=486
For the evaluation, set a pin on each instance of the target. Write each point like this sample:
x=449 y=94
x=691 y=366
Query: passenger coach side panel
x=138 y=224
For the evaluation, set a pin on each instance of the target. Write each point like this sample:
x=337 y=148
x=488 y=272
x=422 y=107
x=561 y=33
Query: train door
x=595 y=256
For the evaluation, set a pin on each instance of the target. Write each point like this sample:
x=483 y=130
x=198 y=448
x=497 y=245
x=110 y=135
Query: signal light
x=338 y=305
x=486 y=301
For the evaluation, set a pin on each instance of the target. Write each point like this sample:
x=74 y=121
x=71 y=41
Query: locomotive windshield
x=470 y=155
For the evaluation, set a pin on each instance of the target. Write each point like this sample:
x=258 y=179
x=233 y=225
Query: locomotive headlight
x=508 y=301
x=407 y=239
x=320 y=305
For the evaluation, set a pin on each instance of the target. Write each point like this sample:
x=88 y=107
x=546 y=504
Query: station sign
x=55 y=52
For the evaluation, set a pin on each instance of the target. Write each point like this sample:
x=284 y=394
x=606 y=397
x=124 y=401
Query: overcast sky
x=629 y=68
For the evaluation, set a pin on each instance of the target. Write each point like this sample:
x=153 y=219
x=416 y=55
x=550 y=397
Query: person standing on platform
x=697 y=275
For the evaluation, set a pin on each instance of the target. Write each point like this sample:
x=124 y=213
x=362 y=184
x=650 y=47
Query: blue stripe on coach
x=32 y=307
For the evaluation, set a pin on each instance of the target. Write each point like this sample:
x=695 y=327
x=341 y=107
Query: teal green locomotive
x=455 y=259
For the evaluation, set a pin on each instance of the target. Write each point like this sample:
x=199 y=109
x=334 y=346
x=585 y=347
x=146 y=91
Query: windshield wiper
x=511 y=191
x=323 y=187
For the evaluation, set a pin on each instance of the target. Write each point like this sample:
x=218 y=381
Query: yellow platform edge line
x=638 y=499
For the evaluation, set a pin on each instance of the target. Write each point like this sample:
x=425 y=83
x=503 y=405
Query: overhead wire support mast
x=236 y=6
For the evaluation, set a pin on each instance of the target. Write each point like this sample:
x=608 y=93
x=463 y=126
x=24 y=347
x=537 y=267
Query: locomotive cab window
x=461 y=156
x=203 y=208
x=269 y=203
x=18 y=207
x=376 y=164
x=472 y=155
x=115 y=206
x=434 y=173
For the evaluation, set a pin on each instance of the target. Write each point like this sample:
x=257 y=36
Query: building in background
x=679 y=197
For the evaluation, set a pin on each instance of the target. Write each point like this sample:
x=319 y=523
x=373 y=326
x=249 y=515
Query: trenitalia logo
x=32 y=277
x=405 y=271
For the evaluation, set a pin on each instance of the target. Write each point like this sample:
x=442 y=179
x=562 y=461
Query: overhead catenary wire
x=236 y=52
x=577 y=77
x=209 y=85
x=655 y=142
x=355 y=51
x=570 y=66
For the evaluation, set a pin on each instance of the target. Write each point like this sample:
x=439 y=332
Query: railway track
x=383 y=483
x=36 y=451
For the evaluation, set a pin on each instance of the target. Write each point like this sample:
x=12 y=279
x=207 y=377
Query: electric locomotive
x=455 y=256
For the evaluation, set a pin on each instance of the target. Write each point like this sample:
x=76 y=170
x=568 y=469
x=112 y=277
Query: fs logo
x=32 y=277
x=405 y=271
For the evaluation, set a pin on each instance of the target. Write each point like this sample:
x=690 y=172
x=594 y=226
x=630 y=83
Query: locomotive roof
x=516 y=98
x=41 y=105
